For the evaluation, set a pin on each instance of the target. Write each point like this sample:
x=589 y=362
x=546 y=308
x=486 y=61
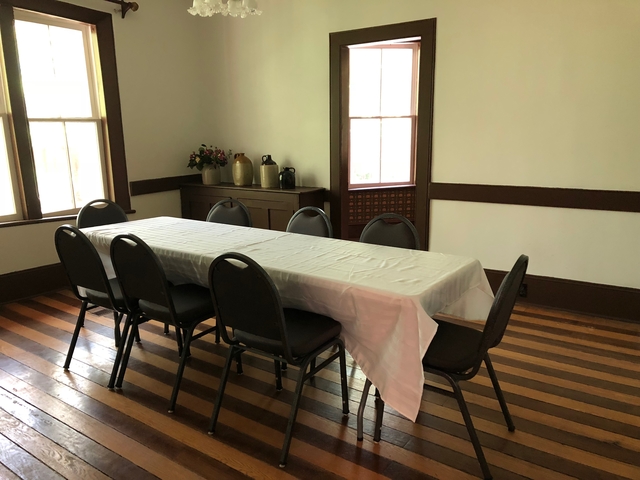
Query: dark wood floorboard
x=572 y=383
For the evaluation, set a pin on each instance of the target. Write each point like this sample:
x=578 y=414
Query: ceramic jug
x=268 y=172
x=242 y=170
x=288 y=178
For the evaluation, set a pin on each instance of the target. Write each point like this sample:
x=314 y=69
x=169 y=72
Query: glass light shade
x=235 y=8
x=206 y=8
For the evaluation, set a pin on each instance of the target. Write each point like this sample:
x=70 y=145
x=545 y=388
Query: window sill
x=61 y=218
x=381 y=187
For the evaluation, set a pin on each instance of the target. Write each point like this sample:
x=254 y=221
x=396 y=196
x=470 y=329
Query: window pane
x=7 y=201
x=364 y=157
x=52 y=166
x=53 y=69
x=86 y=167
x=397 y=77
x=364 y=82
x=68 y=167
x=396 y=150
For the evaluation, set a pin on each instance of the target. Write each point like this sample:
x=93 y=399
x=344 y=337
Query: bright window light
x=382 y=113
x=58 y=71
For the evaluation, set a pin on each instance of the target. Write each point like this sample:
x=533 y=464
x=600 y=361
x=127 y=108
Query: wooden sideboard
x=270 y=207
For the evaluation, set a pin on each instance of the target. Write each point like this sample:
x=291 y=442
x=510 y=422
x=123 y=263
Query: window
x=382 y=113
x=380 y=140
x=57 y=150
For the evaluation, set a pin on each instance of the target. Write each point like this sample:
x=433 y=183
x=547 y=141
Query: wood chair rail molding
x=611 y=200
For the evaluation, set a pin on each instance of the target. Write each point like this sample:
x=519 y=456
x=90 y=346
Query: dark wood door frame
x=339 y=97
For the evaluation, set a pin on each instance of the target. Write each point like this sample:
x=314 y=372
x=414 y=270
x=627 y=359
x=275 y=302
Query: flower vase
x=210 y=175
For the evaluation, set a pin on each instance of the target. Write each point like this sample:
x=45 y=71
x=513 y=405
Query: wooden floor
x=572 y=384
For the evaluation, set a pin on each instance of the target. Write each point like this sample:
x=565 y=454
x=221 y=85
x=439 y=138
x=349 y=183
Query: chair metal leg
x=239 y=370
x=221 y=387
x=123 y=340
x=183 y=359
x=292 y=416
x=166 y=329
x=363 y=404
x=277 y=364
x=217 y=332
x=117 y=318
x=179 y=339
x=187 y=346
x=496 y=387
x=127 y=353
x=469 y=424
x=137 y=334
x=312 y=379
x=343 y=381
x=377 y=429
x=76 y=332
x=284 y=366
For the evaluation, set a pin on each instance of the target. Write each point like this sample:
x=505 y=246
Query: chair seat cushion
x=192 y=304
x=306 y=332
x=102 y=298
x=454 y=349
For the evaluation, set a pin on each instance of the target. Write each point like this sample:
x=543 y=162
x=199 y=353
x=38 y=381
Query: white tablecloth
x=382 y=296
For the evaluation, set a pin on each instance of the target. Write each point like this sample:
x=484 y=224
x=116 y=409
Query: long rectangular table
x=384 y=297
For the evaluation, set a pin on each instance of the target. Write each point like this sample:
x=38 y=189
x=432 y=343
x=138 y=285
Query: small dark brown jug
x=288 y=178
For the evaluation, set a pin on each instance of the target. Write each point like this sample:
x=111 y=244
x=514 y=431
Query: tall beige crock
x=242 y=170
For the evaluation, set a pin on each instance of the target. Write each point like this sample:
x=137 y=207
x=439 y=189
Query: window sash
x=380 y=184
x=89 y=44
x=50 y=204
x=402 y=44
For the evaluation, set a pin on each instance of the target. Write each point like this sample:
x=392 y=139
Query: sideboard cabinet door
x=270 y=208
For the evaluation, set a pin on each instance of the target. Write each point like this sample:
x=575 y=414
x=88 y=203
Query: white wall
x=527 y=92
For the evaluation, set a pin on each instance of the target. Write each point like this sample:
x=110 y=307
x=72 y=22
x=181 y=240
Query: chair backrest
x=100 y=212
x=139 y=273
x=246 y=299
x=401 y=233
x=81 y=261
x=503 y=304
x=310 y=221
x=238 y=214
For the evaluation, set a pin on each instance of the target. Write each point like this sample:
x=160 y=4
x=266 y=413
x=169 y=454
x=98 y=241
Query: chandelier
x=235 y=8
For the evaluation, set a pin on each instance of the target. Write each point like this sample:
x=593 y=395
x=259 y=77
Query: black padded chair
x=88 y=280
x=149 y=296
x=310 y=221
x=457 y=352
x=246 y=300
x=399 y=232
x=100 y=212
x=103 y=212
x=231 y=212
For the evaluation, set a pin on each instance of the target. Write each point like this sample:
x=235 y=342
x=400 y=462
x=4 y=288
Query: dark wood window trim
x=611 y=200
x=339 y=97
x=415 y=48
x=114 y=133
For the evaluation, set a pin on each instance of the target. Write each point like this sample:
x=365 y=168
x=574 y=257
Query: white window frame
x=414 y=44
x=97 y=115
